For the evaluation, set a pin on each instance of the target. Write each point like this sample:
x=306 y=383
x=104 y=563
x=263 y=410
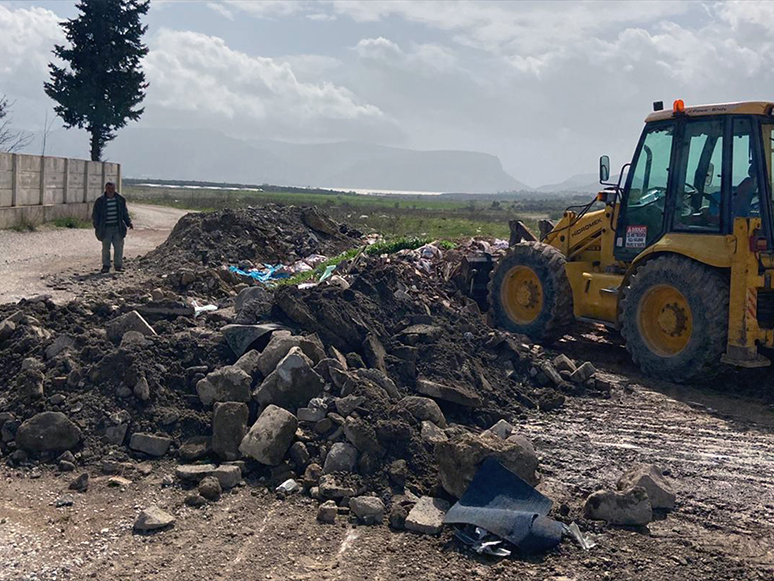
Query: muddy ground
x=716 y=443
x=718 y=448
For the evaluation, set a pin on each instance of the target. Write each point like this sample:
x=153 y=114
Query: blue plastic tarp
x=267 y=274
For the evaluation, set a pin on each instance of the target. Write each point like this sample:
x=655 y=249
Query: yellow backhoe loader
x=681 y=257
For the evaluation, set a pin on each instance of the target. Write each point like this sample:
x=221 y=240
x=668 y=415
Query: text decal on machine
x=636 y=236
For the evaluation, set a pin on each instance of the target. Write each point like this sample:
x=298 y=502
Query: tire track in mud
x=721 y=465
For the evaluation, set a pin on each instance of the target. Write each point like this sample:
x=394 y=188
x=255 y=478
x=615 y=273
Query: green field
x=391 y=215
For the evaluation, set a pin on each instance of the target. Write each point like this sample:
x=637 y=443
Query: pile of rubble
x=249 y=237
x=379 y=392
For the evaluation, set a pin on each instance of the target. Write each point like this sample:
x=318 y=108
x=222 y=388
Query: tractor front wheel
x=529 y=292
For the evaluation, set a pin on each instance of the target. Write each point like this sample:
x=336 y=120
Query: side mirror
x=604 y=168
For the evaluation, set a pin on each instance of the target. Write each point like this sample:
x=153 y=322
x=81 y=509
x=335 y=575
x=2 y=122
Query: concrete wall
x=35 y=189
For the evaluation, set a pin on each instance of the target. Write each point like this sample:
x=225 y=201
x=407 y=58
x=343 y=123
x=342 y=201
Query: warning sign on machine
x=636 y=236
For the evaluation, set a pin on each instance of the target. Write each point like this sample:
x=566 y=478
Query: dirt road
x=719 y=451
x=33 y=263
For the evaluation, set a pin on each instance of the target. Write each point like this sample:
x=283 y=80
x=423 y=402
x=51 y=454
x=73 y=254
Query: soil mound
x=249 y=236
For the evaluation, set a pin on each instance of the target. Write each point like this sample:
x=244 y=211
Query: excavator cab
x=679 y=259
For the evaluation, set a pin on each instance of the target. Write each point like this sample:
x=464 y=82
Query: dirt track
x=718 y=449
x=31 y=262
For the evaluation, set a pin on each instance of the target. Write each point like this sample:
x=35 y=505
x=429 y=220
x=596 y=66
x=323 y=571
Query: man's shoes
x=105 y=269
x=119 y=269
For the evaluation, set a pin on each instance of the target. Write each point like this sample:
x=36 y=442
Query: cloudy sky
x=547 y=87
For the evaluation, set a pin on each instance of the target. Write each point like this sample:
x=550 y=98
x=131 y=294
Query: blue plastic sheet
x=269 y=273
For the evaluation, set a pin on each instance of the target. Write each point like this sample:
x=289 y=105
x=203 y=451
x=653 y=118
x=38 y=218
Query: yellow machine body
x=597 y=278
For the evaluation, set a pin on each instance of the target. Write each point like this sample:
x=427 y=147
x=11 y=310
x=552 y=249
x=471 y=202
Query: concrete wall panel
x=5 y=197
x=6 y=161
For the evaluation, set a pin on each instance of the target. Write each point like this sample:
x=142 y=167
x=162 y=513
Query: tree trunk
x=96 y=143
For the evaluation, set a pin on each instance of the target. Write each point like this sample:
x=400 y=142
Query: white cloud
x=424 y=56
x=196 y=73
x=221 y=9
x=321 y=17
x=267 y=8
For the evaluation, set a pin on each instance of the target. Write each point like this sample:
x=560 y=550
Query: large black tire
x=706 y=292
x=552 y=320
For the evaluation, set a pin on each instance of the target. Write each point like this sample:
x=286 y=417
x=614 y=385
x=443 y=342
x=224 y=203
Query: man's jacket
x=99 y=215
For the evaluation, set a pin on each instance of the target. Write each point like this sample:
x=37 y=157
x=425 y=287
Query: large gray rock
x=228 y=383
x=630 y=507
x=150 y=444
x=650 y=477
x=292 y=383
x=229 y=426
x=432 y=433
x=280 y=345
x=451 y=393
x=374 y=353
x=153 y=518
x=319 y=221
x=342 y=457
x=368 y=509
x=362 y=435
x=423 y=408
x=460 y=457
x=427 y=515
x=131 y=321
x=380 y=378
x=48 y=431
x=270 y=436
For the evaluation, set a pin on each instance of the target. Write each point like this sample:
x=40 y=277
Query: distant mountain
x=200 y=154
x=586 y=182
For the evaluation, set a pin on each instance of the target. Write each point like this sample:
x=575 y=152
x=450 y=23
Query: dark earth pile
x=249 y=237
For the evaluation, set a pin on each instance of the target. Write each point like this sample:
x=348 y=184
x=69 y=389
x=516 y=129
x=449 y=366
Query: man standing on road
x=111 y=219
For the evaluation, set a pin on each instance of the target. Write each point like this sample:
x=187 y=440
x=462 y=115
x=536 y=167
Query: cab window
x=644 y=214
x=698 y=177
x=768 y=153
x=745 y=190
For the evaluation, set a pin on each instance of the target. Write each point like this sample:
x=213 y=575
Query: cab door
x=644 y=204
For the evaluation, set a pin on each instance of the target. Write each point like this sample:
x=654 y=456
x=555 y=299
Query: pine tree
x=102 y=83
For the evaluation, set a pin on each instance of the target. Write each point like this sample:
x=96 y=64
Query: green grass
x=320 y=268
x=24 y=225
x=70 y=222
x=394 y=216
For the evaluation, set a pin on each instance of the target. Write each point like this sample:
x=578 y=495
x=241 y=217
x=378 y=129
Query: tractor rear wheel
x=674 y=318
x=529 y=292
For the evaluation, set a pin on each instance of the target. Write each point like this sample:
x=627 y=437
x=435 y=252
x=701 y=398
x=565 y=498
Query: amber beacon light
x=678 y=106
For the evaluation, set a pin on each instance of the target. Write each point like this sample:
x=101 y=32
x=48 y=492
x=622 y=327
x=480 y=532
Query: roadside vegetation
x=449 y=217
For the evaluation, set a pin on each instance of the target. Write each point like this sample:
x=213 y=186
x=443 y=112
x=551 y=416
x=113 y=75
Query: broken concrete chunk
x=292 y=383
x=166 y=308
x=630 y=507
x=194 y=472
x=583 y=373
x=551 y=373
x=423 y=408
x=141 y=389
x=427 y=515
x=346 y=405
x=564 y=363
x=150 y=444
x=60 y=344
x=299 y=454
x=270 y=436
x=47 y=431
x=280 y=344
x=432 y=433
x=342 y=457
x=195 y=448
x=131 y=321
x=209 y=487
x=361 y=435
x=380 y=379
x=153 y=518
x=420 y=334
x=327 y=512
x=454 y=394
x=229 y=426
x=501 y=429
x=319 y=221
x=374 y=352
x=650 y=477
x=460 y=457
x=368 y=509
x=229 y=475
x=228 y=383
x=330 y=488
x=249 y=364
